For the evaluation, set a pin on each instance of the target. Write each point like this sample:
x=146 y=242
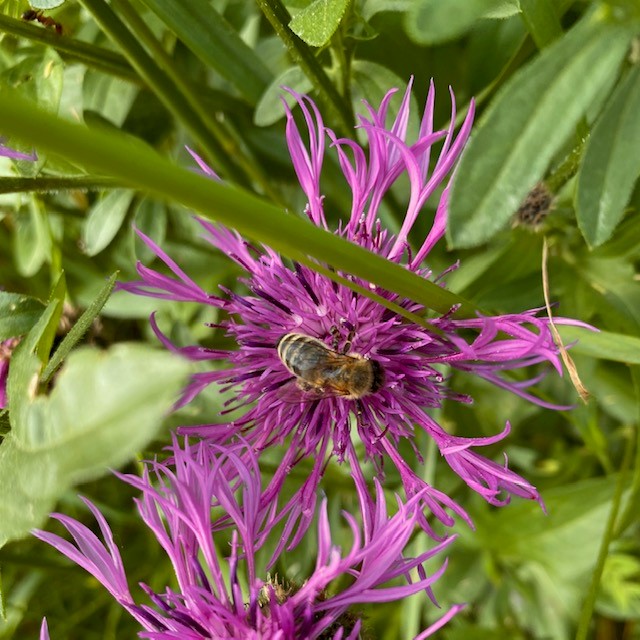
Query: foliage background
x=558 y=89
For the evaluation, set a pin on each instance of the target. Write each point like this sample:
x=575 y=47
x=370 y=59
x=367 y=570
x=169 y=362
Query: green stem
x=587 y=610
x=277 y=14
x=48 y=185
x=229 y=146
x=160 y=83
x=139 y=167
x=630 y=514
x=88 y=54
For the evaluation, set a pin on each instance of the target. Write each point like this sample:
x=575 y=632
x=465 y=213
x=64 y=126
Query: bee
x=320 y=369
x=36 y=15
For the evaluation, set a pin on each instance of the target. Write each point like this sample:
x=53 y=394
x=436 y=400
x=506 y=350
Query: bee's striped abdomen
x=300 y=353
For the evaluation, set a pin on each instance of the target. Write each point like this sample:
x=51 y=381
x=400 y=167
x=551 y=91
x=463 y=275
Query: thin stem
x=90 y=55
x=162 y=85
x=48 y=185
x=630 y=514
x=193 y=97
x=141 y=168
x=590 y=601
x=277 y=14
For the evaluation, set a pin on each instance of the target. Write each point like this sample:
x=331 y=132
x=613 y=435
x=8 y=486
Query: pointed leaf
x=215 y=42
x=603 y=344
x=269 y=109
x=433 y=21
x=611 y=163
x=254 y=217
x=45 y=4
x=79 y=328
x=18 y=314
x=57 y=296
x=105 y=219
x=105 y=407
x=25 y=366
x=542 y=21
x=528 y=122
x=319 y=21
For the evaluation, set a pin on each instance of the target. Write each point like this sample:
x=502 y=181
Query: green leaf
x=79 y=329
x=269 y=109
x=527 y=123
x=542 y=21
x=257 y=219
x=22 y=383
x=31 y=242
x=433 y=21
x=215 y=42
x=372 y=81
x=110 y=97
x=370 y=8
x=151 y=218
x=89 y=54
x=105 y=219
x=611 y=164
x=39 y=77
x=57 y=296
x=105 y=407
x=603 y=344
x=18 y=314
x=619 y=595
x=319 y=21
x=46 y=4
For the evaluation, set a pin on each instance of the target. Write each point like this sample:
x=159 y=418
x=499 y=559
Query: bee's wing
x=291 y=393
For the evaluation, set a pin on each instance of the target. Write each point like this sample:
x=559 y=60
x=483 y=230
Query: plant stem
x=277 y=14
x=92 y=56
x=162 y=85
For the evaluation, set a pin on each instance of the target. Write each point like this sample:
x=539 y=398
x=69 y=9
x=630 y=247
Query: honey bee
x=32 y=15
x=320 y=369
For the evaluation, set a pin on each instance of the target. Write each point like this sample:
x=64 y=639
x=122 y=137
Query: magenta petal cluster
x=284 y=298
x=228 y=598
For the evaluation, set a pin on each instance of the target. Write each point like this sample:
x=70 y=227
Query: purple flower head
x=6 y=348
x=227 y=598
x=295 y=322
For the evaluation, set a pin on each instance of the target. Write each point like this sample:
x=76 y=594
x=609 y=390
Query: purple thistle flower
x=284 y=300
x=217 y=601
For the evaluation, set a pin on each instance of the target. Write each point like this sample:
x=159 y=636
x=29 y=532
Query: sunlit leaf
x=104 y=407
x=611 y=164
x=316 y=23
x=526 y=124
x=18 y=314
x=434 y=21
x=269 y=109
x=105 y=219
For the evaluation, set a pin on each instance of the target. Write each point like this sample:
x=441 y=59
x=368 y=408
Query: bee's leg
x=335 y=337
x=350 y=336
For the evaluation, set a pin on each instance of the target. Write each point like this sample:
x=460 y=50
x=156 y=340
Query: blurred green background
x=557 y=86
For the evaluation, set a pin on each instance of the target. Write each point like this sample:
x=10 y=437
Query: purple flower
x=229 y=598
x=6 y=348
x=7 y=152
x=404 y=359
